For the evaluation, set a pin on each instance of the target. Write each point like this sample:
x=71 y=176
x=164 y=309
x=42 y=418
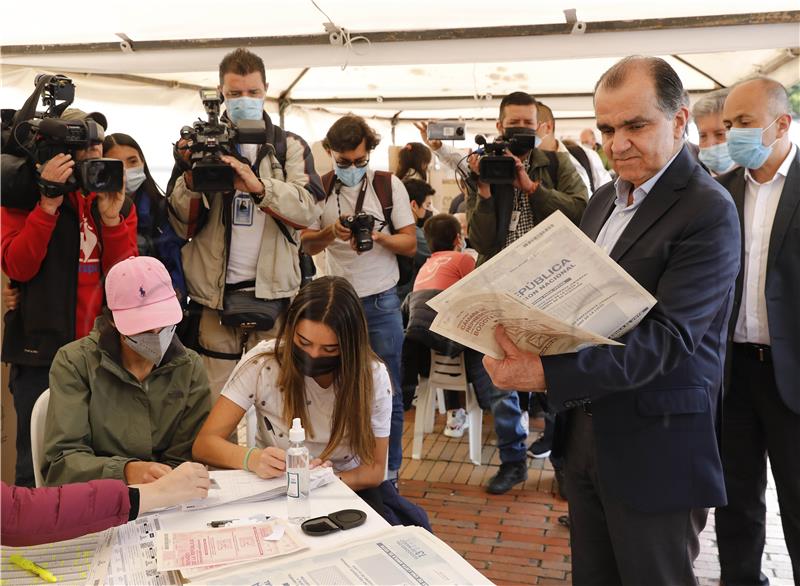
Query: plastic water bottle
x=297 y=484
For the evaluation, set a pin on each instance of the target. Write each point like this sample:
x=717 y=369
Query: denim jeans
x=385 y=325
x=504 y=405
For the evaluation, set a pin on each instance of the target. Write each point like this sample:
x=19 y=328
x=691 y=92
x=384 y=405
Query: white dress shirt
x=623 y=213
x=760 y=204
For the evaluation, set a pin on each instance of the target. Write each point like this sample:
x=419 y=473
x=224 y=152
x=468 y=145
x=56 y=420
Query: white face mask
x=151 y=346
x=134 y=177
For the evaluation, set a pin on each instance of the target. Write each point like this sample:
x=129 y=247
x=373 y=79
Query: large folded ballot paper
x=553 y=290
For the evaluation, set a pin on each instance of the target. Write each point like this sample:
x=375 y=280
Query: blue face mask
x=245 y=108
x=134 y=177
x=716 y=157
x=747 y=148
x=350 y=176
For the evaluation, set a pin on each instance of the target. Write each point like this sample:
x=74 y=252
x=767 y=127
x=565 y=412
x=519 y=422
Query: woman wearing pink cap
x=127 y=400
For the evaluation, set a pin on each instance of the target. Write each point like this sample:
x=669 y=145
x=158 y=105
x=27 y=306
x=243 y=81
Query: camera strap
x=52 y=189
x=359 y=201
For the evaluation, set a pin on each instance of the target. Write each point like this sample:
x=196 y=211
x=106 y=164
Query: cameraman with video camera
x=56 y=249
x=512 y=186
x=368 y=230
x=246 y=189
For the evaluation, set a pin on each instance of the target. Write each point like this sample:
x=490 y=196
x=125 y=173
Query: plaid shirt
x=522 y=205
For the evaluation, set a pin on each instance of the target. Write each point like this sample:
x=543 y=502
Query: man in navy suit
x=640 y=434
x=761 y=410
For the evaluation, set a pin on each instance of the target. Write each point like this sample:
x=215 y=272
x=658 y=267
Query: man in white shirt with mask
x=761 y=409
x=366 y=222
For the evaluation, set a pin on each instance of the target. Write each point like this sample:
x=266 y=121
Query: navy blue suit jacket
x=655 y=400
x=782 y=286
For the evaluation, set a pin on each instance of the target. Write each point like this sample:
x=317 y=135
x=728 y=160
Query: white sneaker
x=457 y=422
x=525 y=420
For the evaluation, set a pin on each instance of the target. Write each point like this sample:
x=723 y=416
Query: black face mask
x=421 y=221
x=314 y=366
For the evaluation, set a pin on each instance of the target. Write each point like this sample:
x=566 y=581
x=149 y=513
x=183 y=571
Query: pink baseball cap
x=140 y=296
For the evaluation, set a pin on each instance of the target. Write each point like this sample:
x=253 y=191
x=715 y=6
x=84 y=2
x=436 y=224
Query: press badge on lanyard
x=243 y=210
x=512 y=225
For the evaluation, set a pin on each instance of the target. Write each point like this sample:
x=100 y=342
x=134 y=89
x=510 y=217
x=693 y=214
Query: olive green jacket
x=101 y=417
x=486 y=231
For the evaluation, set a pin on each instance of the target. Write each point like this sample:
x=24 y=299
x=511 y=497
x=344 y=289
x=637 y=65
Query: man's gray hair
x=710 y=103
x=669 y=88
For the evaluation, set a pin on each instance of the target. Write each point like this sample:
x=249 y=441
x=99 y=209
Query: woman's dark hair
x=348 y=132
x=332 y=301
x=120 y=139
x=414 y=156
x=441 y=232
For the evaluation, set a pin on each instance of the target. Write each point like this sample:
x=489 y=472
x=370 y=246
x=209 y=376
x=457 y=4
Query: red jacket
x=31 y=516
x=26 y=237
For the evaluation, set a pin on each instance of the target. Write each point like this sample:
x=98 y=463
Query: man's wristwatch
x=258 y=197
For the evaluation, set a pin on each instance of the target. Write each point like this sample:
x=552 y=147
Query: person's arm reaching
x=32 y=516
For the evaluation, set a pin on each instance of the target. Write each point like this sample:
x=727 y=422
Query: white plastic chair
x=446 y=374
x=38 y=419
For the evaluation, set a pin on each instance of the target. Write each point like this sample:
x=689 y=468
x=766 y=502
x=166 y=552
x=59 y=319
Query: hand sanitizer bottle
x=297 y=489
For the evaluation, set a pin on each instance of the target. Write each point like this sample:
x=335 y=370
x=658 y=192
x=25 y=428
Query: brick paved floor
x=515 y=538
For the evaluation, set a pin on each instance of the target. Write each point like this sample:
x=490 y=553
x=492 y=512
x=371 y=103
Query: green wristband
x=246 y=458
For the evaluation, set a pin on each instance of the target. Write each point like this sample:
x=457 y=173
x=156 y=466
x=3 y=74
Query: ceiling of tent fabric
x=146 y=20
x=431 y=80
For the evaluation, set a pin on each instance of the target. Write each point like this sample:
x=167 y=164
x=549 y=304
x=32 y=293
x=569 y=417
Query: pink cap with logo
x=140 y=296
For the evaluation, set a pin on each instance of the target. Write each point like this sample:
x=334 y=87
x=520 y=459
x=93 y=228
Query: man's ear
x=680 y=121
x=499 y=126
x=783 y=123
x=221 y=95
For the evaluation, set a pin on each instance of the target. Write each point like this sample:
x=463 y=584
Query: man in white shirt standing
x=366 y=222
x=761 y=410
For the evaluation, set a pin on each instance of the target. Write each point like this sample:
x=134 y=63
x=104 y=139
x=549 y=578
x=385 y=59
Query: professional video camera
x=32 y=138
x=495 y=166
x=361 y=225
x=208 y=141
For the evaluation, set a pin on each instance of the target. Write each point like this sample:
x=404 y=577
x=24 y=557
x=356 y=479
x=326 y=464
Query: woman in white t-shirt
x=320 y=369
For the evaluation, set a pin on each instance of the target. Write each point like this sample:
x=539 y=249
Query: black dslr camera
x=361 y=225
x=32 y=138
x=208 y=141
x=495 y=166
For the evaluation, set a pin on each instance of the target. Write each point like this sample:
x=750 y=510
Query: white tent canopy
x=424 y=59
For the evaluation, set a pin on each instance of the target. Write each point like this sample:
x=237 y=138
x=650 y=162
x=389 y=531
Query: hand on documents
x=187 y=482
x=554 y=291
x=518 y=370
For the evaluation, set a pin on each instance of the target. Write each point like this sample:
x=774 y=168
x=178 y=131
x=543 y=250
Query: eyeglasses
x=359 y=163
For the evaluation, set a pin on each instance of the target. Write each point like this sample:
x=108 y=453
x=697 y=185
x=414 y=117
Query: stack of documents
x=553 y=290
x=239 y=486
x=192 y=552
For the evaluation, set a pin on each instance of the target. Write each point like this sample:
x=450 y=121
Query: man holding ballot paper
x=640 y=436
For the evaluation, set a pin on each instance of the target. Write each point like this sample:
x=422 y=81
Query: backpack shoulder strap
x=328 y=180
x=382 y=184
x=552 y=167
x=583 y=159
